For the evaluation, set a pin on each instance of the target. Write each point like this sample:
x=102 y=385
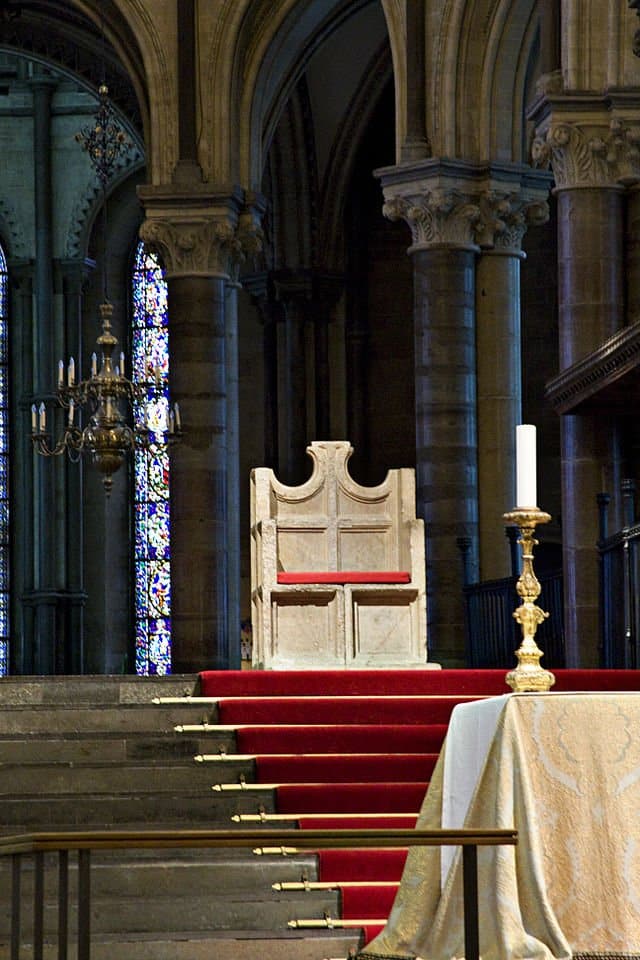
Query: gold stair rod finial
x=528 y=676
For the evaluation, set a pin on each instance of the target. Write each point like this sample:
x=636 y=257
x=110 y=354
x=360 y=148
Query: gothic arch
x=394 y=12
x=136 y=37
x=11 y=232
x=257 y=54
x=136 y=57
x=335 y=187
x=90 y=202
x=292 y=187
x=475 y=104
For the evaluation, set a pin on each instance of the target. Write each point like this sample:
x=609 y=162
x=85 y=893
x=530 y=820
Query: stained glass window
x=4 y=472
x=150 y=361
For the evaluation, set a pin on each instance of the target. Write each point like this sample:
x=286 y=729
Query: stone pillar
x=293 y=290
x=443 y=254
x=499 y=367
x=199 y=570
x=198 y=237
x=499 y=401
x=258 y=287
x=71 y=278
x=48 y=527
x=591 y=308
x=356 y=346
x=326 y=291
x=448 y=207
x=233 y=470
x=415 y=145
x=632 y=268
x=591 y=299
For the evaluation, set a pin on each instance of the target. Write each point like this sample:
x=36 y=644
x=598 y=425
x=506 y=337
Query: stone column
x=197 y=237
x=293 y=290
x=233 y=469
x=326 y=292
x=72 y=276
x=258 y=286
x=449 y=206
x=443 y=254
x=504 y=222
x=632 y=267
x=591 y=308
x=415 y=145
x=47 y=656
x=591 y=299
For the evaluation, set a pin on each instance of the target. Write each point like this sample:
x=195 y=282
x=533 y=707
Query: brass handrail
x=85 y=841
x=306 y=839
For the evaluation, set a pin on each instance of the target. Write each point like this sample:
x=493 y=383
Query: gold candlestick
x=528 y=675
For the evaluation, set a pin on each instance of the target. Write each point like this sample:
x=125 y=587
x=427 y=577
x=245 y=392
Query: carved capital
x=192 y=247
x=505 y=218
x=590 y=156
x=440 y=217
x=635 y=46
x=202 y=232
x=249 y=241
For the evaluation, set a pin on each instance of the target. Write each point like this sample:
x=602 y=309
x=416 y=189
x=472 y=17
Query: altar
x=564 y=770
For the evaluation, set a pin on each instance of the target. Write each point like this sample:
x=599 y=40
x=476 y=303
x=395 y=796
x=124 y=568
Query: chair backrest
x=332 y=523
x=337 y=569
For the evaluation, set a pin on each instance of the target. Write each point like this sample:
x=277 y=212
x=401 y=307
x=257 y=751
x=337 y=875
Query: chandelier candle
x=526 y=484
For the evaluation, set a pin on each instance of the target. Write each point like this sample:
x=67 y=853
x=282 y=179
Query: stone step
x=128 y=717
x=93 y=690
x=194 y=911
x=202 y=808
x=126 y=777
x=76 y=747
x=94 y=753
x=227 y=945
x=151 y=873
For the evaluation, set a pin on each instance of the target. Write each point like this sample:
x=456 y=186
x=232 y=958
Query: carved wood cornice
x=609 y=374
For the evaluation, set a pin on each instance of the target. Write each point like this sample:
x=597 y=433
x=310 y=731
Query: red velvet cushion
x=345 y=576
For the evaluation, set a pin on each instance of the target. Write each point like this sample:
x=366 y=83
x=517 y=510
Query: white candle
x=526 y=484
x=42 y=418
x=60 y=372
x=71 y=372
x=94 y=365
x=71 y=412
x=34 y=421
x=122 y=364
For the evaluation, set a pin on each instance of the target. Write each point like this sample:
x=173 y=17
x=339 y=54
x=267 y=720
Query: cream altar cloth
x=564 y=770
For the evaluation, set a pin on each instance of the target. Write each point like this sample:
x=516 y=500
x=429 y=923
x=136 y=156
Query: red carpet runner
x=356 y=748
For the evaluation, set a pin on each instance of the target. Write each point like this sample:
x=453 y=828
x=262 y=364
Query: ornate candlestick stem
x=528 y=675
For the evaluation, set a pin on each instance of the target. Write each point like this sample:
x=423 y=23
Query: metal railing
x=492 y=634
x=36 y=845
x=620 y=585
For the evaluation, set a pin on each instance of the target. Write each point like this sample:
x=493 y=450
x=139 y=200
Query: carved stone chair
x=337 y=569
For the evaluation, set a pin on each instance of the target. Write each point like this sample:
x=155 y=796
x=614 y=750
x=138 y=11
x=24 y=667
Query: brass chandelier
x=106 y=400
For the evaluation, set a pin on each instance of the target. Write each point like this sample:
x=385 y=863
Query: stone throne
x=337 y=569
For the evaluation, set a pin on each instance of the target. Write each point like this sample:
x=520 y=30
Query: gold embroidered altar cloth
x=564 y=770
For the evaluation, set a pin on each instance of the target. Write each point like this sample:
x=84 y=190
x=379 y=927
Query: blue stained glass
x=150 y=355
x=4 y=483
